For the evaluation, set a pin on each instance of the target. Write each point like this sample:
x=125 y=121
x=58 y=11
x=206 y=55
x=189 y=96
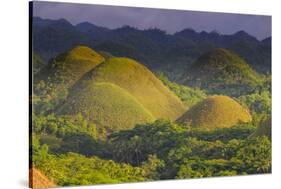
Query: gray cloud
x=143 y=18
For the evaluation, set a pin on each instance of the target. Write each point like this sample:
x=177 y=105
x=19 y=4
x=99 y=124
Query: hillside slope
x=107 y=105
x=65 y=69
x=215 y=112
x=140 y=83
x=221 y=71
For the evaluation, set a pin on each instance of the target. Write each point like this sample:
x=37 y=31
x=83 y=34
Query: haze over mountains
x=153 y=47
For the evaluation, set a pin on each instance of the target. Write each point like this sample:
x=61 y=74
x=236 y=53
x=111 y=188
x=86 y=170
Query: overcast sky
x=169 y=20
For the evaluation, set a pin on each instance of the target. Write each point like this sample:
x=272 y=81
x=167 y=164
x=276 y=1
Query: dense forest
x=113 y=106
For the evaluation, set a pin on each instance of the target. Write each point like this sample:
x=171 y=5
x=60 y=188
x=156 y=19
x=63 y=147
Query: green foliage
x=239 y=131
x=73 y=169
x=200 y=159
x=40 y=154
x=158 y=150
x=54 y=143
x=134 y=146
x=62 y=125
x=189 y=153
x=37 y=63
x=93 y=114
x=200 y=168
x=188 y=95
x=264 y=129
x=153 y=167
x=258 y=103
x=162 y=136
x=255 y=155
x=71 y=134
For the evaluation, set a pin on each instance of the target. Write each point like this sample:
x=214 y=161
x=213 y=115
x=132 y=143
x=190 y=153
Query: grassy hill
x=140 y=83
x=222 y=71
x=107 y=105
x=264 y=129
x=39 y=180
x=65 y=69
x=215 y=112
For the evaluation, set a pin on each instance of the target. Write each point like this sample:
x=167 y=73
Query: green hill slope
x=65 y=69
x=140 y=83
x=215 y=112
x=222 y=71
x=107 y=105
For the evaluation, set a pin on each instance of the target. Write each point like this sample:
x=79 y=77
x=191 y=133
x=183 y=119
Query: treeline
x=160 y=150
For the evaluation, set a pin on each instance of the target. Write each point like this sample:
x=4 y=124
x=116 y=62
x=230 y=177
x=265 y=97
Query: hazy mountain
x=154 y=47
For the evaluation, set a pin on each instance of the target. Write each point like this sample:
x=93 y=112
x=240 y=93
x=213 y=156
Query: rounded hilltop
x=219 y=70
x=141 y=83
x=67 y=68
x=215 y=112
x=222 y=63
x=107 y=105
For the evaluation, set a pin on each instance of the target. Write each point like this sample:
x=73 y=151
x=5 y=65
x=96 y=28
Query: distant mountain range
x=170 y=53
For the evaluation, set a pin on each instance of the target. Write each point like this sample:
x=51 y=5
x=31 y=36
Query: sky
x=144 y=18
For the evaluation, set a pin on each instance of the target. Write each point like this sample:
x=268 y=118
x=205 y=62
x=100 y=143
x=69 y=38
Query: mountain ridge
x=154 y=49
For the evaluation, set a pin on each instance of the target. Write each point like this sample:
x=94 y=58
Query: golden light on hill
x=215 y=112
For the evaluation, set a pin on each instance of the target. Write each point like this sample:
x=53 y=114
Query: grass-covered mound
x=140 y=83
x=215 y=112
x=107 y=105
x=65 y=69
x=39 y=180
x=223 y=71
x=264 y=129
